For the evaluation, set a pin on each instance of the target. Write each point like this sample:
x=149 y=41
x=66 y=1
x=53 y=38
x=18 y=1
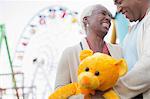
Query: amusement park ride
x=37 y=53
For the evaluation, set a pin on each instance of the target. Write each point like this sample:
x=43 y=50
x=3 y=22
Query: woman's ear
x=85 y=53
x=123 y=68
x=85 y=21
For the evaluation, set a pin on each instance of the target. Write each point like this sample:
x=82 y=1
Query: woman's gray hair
x=86 y=12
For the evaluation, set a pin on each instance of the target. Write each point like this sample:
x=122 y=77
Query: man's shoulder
x=147 y=21
x=147 y=17
x=148 y=12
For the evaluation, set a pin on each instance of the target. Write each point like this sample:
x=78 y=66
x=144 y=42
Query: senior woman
x=96 y=21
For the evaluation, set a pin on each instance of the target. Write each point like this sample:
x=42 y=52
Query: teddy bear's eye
x=87 y=69
x=96 y=73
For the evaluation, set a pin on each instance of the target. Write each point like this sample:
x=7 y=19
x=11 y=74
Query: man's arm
x=138 y=79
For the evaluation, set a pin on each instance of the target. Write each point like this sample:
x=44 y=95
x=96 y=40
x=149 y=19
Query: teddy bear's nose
x=85 y=80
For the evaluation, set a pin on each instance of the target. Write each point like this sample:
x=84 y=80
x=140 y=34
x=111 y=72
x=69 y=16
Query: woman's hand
x=98 y=95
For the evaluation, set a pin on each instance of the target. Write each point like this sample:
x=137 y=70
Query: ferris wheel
x=42 y=41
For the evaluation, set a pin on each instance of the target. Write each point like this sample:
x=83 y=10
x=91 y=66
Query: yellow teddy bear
x=96 y=72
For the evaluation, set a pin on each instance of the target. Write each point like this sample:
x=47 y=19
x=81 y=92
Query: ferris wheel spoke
x=40 y=45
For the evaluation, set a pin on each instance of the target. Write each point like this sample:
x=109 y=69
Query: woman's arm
x=63 y=72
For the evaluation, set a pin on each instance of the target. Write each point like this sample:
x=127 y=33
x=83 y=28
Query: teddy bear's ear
x=85 y=53
x=123 y=68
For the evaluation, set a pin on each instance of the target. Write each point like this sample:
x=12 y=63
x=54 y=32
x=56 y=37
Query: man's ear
x=123 y=68
x=85 y=53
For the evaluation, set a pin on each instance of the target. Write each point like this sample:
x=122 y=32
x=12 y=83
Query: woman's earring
x=87 y=25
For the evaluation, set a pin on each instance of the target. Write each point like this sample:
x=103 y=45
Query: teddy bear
x=96 y=71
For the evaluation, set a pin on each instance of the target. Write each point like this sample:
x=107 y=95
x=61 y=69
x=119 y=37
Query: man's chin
x=132 y=20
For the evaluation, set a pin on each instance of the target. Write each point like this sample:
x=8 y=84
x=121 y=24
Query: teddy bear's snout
x=85 y=80
x=88 y=80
